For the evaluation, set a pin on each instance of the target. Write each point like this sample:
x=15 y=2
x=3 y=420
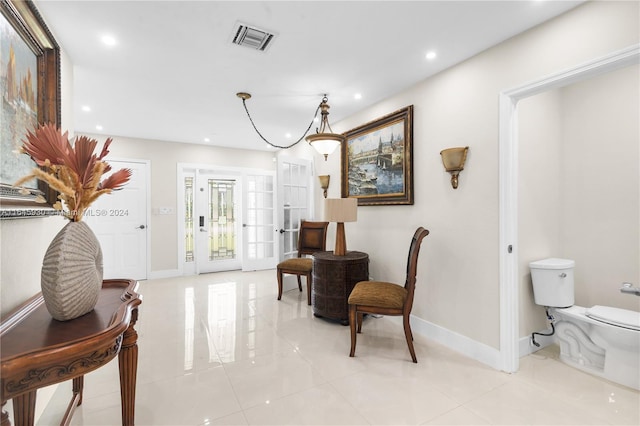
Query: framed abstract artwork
x=30 y=90
x=377 y=160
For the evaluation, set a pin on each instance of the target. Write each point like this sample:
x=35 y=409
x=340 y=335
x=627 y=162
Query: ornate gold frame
x=366 y=157
x=25 y=19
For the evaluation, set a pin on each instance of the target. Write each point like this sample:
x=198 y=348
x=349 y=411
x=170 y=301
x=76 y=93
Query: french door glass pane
x=221 y=212
x=188 y=218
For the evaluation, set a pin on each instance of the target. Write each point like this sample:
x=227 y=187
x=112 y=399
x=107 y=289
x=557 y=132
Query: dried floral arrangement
x=74 y=170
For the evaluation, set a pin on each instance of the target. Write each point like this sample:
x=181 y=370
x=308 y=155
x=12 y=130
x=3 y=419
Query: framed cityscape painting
x=30 y=90
x=377 y=160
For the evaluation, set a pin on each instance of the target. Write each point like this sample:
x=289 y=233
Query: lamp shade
x=453 y=158
x=341 y=210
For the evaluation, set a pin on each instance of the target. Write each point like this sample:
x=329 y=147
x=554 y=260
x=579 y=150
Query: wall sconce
x=324 y=183
x=453 y=160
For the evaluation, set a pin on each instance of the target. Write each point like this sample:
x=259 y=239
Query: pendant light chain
x=244 y=103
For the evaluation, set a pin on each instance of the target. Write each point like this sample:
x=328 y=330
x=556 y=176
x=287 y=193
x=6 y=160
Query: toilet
x=601 y=340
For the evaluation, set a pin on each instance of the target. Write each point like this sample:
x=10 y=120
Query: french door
x=259 y=227
x=228 y=219
x=294 y=201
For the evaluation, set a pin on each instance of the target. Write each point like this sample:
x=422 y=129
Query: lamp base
x=341 y=241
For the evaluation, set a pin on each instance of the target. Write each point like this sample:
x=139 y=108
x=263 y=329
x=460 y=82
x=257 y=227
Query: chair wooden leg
x=360 y=318
x=409 y=337
x=308 y=289
x=299 y=283
x=352 y=324
x=279 y=284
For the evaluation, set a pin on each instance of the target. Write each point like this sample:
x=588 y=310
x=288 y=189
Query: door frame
x=508 y=168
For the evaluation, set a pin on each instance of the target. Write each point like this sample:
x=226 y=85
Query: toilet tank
x=553 y=282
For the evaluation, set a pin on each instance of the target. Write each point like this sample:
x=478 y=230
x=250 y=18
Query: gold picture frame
x=30 y=97
x=377 y=160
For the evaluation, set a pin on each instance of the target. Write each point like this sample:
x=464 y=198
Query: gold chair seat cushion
x=298 y=264
x=378 y=293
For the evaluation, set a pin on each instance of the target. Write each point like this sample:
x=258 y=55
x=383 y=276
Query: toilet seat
x=615 y=316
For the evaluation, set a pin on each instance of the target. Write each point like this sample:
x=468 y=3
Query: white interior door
x=259 y=227
x=294 y=201
x=119 y=221
x=216 y=199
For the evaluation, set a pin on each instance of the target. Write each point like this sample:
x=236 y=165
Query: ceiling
x=173 y=73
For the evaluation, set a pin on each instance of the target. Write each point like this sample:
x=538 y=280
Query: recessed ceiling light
x=431 y=55
x=207 y=140
x=288 y=136
x=86 y=108
x=99 y=127
x=109 y=40
x=357 y=96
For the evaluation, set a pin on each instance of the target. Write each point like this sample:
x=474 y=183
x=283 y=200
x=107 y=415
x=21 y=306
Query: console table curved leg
x=24 y=408
x=128 y=363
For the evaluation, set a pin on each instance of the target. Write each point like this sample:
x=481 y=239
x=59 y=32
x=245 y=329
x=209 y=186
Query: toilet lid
x=615 y=316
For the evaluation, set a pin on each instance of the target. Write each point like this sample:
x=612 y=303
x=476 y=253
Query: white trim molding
x=459 y=343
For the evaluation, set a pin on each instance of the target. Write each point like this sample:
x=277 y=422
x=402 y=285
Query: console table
x=38 y=351
x=333 y=279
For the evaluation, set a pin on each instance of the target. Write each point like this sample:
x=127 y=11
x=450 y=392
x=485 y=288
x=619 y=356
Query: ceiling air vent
x=252 y=37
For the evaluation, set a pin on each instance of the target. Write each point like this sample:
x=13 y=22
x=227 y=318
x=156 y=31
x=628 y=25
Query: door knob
x=140 y=227
x=282 y=231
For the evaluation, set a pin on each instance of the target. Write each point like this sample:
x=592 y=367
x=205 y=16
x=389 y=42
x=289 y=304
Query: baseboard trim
x=526 y=346
x=457 y=342
x=166 y=273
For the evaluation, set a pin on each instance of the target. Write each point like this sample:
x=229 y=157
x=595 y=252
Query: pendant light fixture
x=324 y=140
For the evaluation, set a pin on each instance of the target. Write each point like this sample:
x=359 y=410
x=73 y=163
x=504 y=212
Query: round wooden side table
x=333 y=279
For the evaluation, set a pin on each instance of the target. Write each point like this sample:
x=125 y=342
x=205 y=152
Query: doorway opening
x=509 y=294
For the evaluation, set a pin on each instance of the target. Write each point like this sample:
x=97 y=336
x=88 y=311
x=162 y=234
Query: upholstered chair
x=384 y=298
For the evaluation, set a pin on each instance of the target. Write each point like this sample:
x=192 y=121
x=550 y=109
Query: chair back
x=412 y=266
x=312 y=237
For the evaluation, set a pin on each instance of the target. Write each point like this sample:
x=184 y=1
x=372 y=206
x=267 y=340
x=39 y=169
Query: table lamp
x=340 y=210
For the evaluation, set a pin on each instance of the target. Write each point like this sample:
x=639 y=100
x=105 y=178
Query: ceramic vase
x=72 y=272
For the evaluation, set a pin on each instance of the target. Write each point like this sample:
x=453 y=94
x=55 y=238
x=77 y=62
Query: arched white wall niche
x=508 y=147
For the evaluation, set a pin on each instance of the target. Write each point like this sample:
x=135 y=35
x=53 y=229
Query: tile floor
x=219 y=349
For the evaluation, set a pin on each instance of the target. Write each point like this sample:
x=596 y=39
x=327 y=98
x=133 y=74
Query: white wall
x=601 y=200
x=458 y=273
